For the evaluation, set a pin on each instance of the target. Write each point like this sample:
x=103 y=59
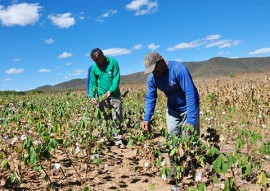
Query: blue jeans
x=176 y=120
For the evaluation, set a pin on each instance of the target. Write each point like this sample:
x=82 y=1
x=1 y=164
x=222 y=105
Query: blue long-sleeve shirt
x=179 y=88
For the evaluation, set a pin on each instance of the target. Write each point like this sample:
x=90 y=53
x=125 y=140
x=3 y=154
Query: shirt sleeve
x=93 y=83
x=191 y=93
x=116 y=77
x=88 y=81
x=150 y=99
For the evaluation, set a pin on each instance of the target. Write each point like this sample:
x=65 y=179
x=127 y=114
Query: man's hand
x=94 y=101
x=107 y=95
x=145 y=125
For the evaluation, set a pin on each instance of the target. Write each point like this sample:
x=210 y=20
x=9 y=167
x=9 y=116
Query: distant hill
x=214 y=67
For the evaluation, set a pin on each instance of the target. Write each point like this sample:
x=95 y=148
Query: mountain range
x=214 y=67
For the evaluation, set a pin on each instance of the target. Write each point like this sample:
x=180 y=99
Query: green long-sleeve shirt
x=105 y=78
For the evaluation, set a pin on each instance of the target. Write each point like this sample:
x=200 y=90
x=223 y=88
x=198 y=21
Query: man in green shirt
x=104 y=82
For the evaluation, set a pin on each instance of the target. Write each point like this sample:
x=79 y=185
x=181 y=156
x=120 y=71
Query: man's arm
x=191 y=93
x=93 y=83
x=88 y=80
x=116 y=76
x=150 y=102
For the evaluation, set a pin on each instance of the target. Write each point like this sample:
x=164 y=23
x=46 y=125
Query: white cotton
x=23 y=137
x=198 y=177
x=57 y=166
x=146 y=165
x=14 y=140
x=78 y=149
x=35 y=142
x=164 y=177
x=95 y=156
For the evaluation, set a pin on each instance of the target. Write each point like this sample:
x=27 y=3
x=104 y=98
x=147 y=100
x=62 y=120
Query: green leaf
x=239 y=144
x=191 y=189
x=220 y=165
x=12 y=178
x=59 y=140
x=97 y=161
x=52 y=144
x=5 y=165
x=215 y=179
x=246 y=170
x=130 y=142
x=33 y=156
x=85 y=189
x=229 y=185
x=172 y=153
x=202 y=187
x=262 y=180
x=37 y=168
x=1 y=156
x=231 y=159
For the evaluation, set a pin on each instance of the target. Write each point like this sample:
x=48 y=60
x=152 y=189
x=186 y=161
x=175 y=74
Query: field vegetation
x=53 y=141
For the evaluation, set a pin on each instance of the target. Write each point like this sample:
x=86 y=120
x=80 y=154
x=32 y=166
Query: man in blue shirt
x=174 y=79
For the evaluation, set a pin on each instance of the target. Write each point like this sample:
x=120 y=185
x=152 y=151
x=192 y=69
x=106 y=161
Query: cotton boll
x=164 y=177
x=95 y=156
x=78 y=149
x=23 y=137
x=14 y=140
x=35 y=142
x=198 y=177
x=146 y=165
x=57 y=166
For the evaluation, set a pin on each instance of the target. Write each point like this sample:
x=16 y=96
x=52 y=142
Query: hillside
x=214 y=67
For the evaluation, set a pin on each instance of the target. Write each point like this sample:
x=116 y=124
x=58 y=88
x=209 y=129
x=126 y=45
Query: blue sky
x=48 y=42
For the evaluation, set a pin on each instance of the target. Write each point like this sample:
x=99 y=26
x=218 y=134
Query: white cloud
x=81 y=17
x=62 y=20
x=185 y=45
x=116 y=51
x=49 y=41
x=260 y=51
x=7 y=79
x=137 y=46
x=14 y=71
x=142 y=7
x=213 y=37
x=216 y=43
x=229 y=43
x=16 y=59
x=44 y=70
x=106 y=14
x=77 y=72
x=153 y=46
x=65 y=55
x=208 y=42
x=20 y=14
x=68 y=64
